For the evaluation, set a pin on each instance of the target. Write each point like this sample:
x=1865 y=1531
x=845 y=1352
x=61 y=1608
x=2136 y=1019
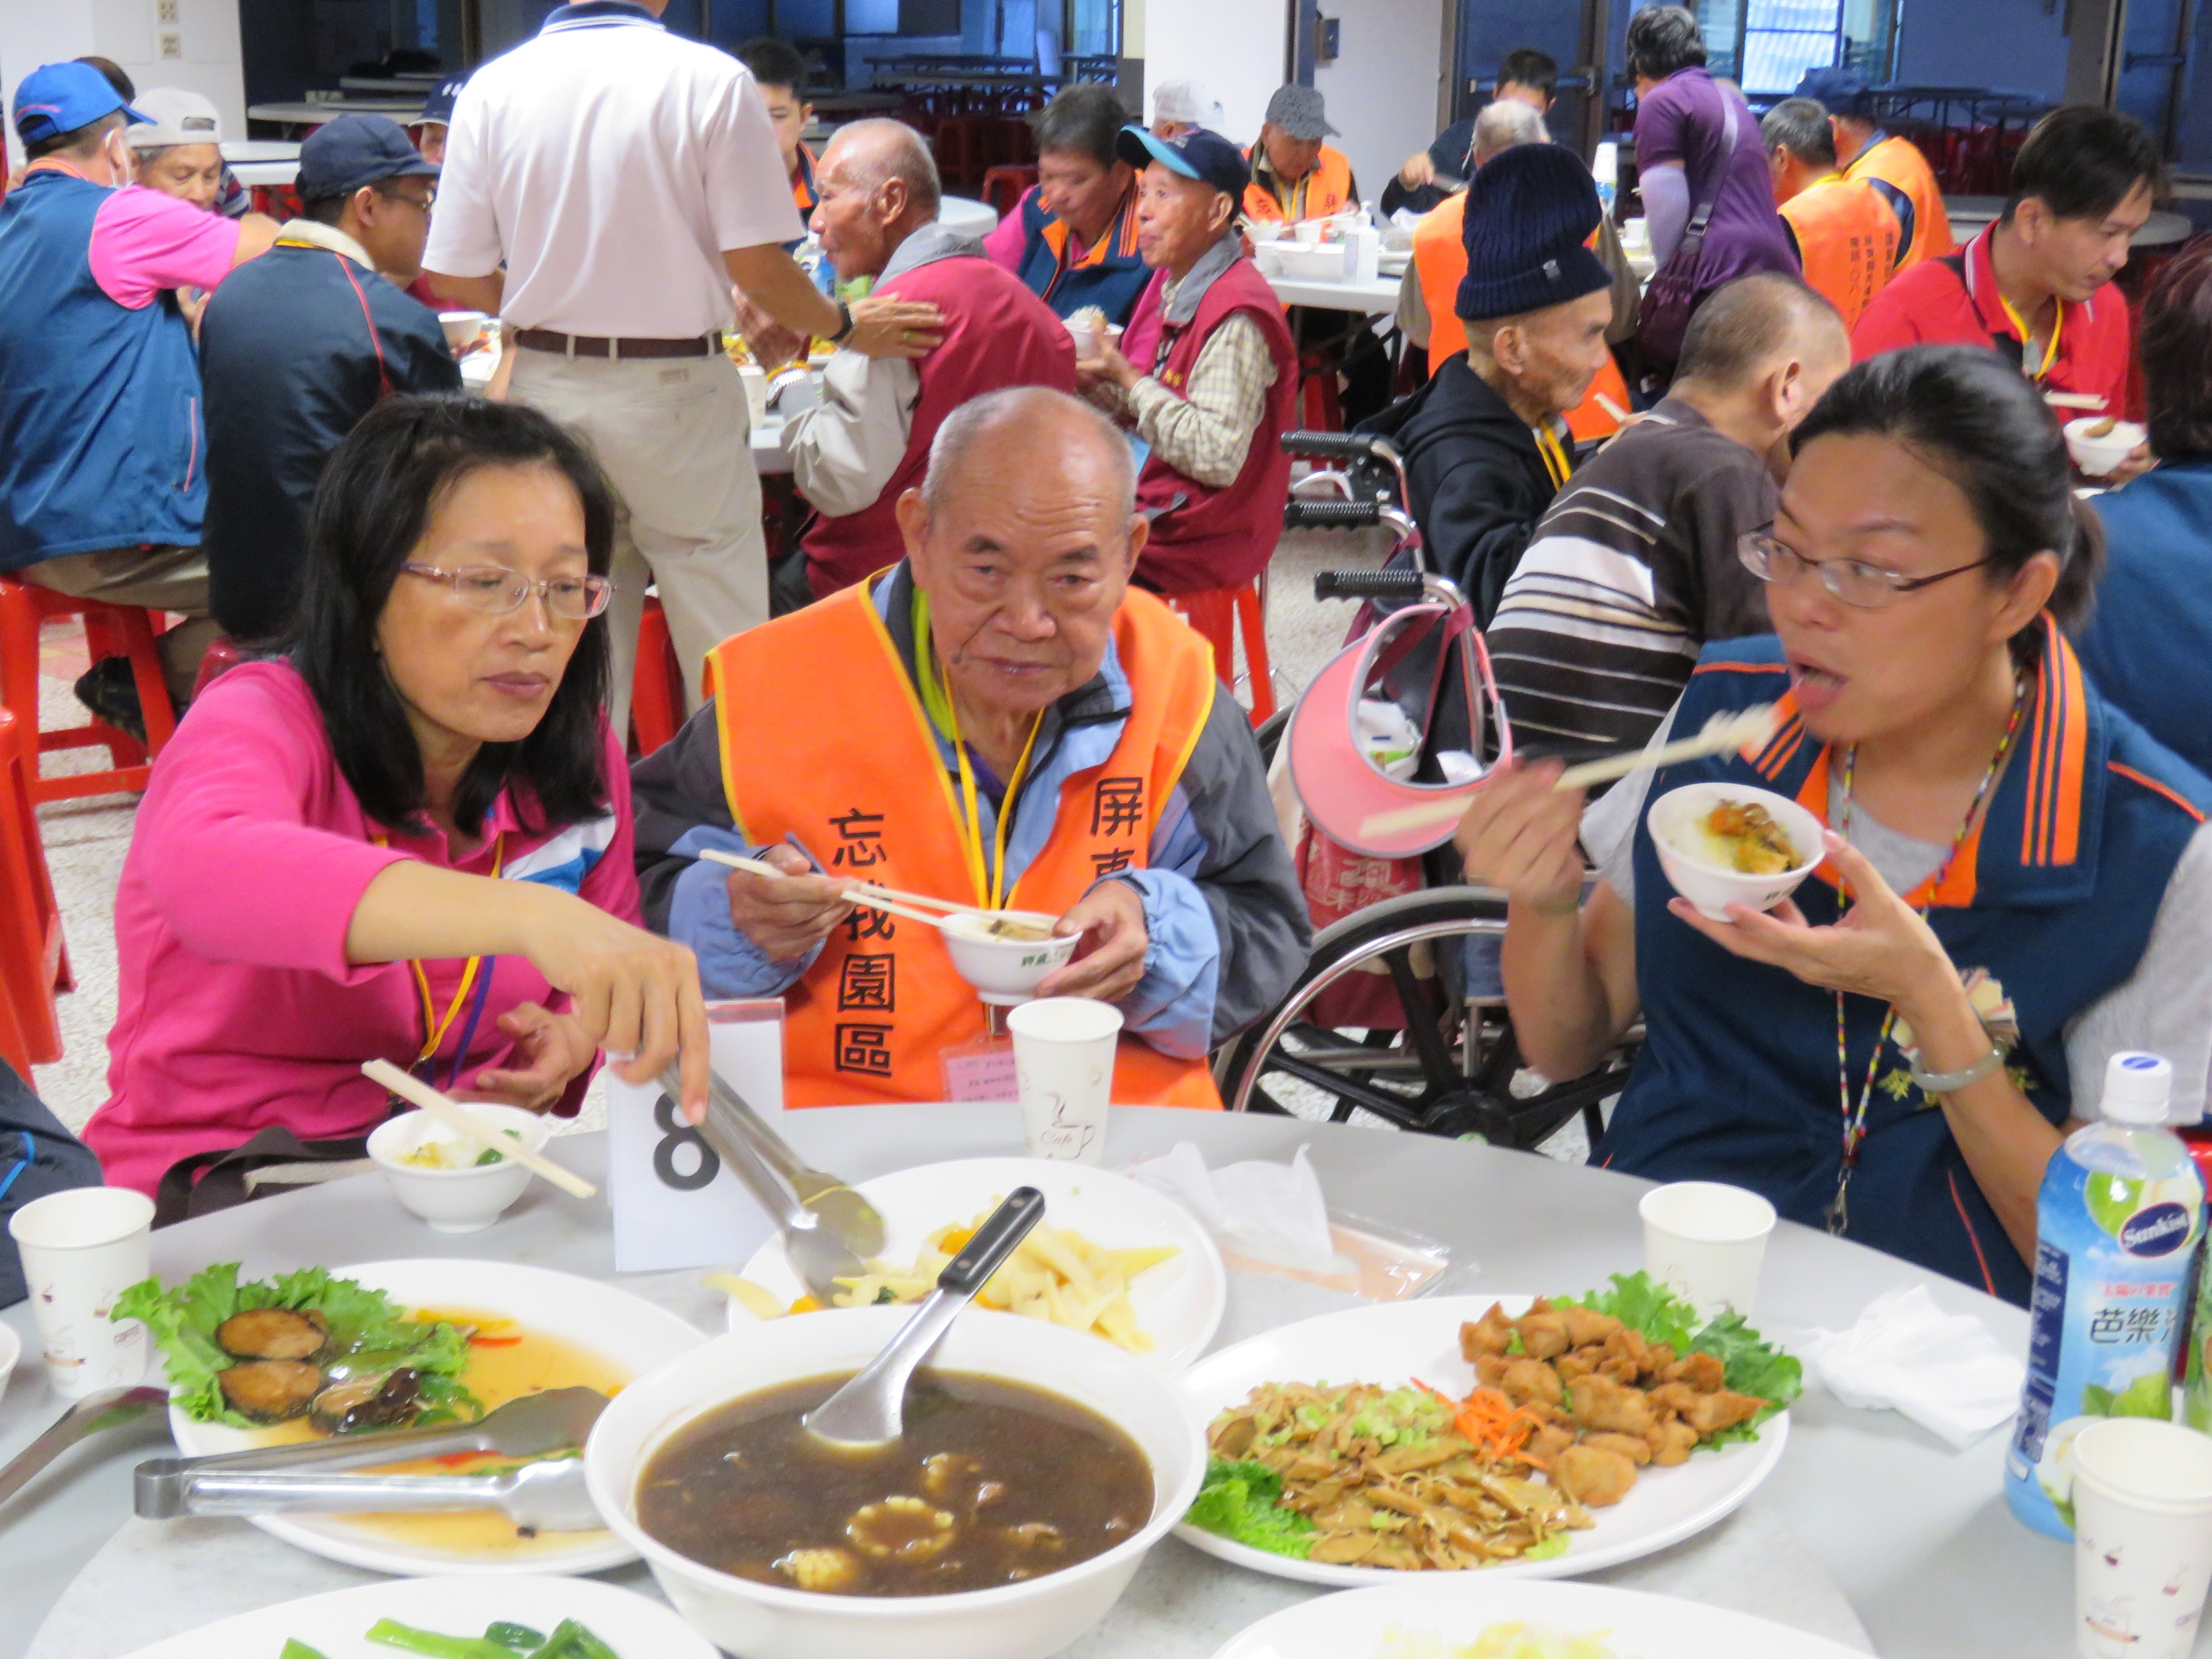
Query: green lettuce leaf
x=1243 y=1501
x=1752 y=1364
x=369 y=1332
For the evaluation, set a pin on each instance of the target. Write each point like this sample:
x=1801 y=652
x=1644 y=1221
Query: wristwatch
x=1947 y=1083
x=845 y=324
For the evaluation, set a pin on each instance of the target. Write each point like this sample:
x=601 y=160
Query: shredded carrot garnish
x=1494 y=1423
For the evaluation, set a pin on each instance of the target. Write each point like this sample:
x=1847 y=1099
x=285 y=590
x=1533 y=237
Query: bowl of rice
x=1726 y=844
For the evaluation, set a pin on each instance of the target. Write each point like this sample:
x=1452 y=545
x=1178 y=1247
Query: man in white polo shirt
x=625 y=178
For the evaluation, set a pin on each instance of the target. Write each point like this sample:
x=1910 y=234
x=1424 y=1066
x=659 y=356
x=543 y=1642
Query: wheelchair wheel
x=1447 y=1070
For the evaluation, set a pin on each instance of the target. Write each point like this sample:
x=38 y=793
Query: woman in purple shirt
x=1696 y=146
x=409 y=839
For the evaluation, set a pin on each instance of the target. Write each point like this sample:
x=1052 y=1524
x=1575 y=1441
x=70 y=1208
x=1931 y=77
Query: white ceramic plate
x=1399 y=1341
x=1457 y=1607
x=1179 y=1302
x=624 y=1328
x=633 y=1625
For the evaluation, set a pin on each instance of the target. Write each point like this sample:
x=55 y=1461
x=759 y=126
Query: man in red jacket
x=868 y=439
x=1209 y=374
x=2037 y=285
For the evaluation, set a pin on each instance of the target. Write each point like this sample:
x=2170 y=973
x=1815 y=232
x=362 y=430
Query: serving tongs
x=827 y=1227
x=307 y=1476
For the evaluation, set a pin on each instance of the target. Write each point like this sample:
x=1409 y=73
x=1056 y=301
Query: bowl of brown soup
x=1037 y=1468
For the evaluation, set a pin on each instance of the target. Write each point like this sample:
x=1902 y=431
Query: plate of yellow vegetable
x=1110 y=1257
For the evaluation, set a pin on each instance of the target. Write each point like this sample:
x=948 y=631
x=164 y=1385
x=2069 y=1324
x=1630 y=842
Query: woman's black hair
x=375 y=500
x=1663 y=39
x=1978 y=421
x=2177 y=355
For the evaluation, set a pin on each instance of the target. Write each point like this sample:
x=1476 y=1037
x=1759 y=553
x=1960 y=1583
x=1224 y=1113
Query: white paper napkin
x=1268 y=1212
x=1945 y=1371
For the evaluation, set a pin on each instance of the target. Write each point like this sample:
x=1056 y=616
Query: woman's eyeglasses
x=1864 y=586
x=498 y=591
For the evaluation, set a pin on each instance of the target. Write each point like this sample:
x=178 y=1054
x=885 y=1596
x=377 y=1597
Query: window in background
x=1767 y=45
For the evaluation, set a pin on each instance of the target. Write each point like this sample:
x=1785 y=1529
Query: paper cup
x=1064 y=1074
x=2142 y=1538
x=1704 y=1241
x=81 y=1249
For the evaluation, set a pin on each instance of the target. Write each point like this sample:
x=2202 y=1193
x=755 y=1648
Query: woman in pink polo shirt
x=409 y=839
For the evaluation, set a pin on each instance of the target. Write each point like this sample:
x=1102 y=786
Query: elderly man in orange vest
x=1845 y=235
x=1893 y=167
x=1295 y=175
x=1001 y=720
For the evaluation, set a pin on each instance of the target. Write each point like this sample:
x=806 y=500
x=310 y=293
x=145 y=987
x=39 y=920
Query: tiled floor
x=86 y=839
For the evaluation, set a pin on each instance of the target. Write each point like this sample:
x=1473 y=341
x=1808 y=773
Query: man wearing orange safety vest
x=1440 y=262
x=998 y=720
x=1294 y=174
x=1893 y=167
x=1845 y=235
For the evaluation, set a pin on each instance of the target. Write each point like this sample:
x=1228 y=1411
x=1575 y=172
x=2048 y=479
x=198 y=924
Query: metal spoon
x=869 y=1410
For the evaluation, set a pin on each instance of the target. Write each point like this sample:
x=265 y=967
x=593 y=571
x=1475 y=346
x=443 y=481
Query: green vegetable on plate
x=501 y=1640
x=1752 y=1365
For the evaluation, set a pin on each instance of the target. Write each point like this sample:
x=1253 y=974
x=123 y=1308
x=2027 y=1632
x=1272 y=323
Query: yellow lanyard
x=1555 y=458
x=2026 y=337
x=990 y=892
x=434 y=1026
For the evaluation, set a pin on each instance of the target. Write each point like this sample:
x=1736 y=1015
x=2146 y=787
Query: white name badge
x=675 y=1205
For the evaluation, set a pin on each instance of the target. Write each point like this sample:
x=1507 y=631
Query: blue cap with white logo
x=437 y=107
x=1195 y=153
x=58 y=98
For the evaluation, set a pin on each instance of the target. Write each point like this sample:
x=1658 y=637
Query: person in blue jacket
x=2147 y=646
x=2017 y=881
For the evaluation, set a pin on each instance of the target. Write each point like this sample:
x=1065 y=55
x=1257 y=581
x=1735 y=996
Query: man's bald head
x=1023 y=536
x=875 y=187
x=1745 y=326
x=875 y=152
x=1502 y=123
x=1025 y=431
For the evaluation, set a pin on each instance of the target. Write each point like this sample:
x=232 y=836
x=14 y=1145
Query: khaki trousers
x=158 y=578
x=673 y=435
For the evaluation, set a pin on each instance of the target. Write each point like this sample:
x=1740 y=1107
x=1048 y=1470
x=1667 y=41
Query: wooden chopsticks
x=454 y=1115
x=889 y=900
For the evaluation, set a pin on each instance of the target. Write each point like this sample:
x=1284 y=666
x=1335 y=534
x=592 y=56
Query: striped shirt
x=1630 y=571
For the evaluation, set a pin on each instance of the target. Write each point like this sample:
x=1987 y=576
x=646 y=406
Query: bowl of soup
x=1037 y=1468
x=1005 y=954
x=1725 y=843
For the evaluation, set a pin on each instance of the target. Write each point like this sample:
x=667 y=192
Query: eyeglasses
x=495 y=589
x=426 y=201
x=1864 y=586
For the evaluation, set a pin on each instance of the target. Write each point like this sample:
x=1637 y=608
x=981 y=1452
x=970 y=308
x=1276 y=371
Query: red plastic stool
x=1003 y=187
x=961 y=144
x=1215 y=615
x=110 y=630
x=656 y=684
x=1321 y=411
x=33 y=961
x=218 y=659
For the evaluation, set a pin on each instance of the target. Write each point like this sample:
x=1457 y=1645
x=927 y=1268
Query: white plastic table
x=1372 y=299
x=1915 y=1534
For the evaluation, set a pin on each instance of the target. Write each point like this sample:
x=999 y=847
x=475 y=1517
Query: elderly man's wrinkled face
x=856 y=218
x=190 y=172
x=1290 y=158
x=1024 y=561
x=1177 y=218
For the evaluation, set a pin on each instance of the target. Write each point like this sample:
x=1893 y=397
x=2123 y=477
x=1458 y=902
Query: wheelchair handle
x=1331 y=515
x=1401 y=587
x=1337 y=446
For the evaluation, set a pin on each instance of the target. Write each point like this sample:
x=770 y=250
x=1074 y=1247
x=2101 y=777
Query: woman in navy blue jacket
x=2002 y=826
x=2147 y=646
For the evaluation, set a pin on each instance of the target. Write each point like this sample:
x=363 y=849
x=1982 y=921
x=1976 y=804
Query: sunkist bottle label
x=2111 y=1268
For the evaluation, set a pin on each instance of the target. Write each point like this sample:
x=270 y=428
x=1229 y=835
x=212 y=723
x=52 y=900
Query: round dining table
x=1871 y=1531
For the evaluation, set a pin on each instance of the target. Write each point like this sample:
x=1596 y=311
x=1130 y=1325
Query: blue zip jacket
x=2148 y=646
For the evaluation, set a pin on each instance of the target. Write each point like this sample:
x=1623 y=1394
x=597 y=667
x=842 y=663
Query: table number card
x=674 y=1204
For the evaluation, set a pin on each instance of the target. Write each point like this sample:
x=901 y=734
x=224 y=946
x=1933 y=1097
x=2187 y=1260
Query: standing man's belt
x=593 y=345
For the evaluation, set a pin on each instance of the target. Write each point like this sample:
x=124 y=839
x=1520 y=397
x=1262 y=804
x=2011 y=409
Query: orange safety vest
x=1439 y=263
x=849 y=767
x=1847 y=241
x=1898 y=163
x=1325 y=190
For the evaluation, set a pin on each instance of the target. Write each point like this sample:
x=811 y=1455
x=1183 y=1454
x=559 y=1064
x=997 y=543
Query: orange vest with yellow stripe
x=1325 y=190
x=1439 y=263
x=1847 y=241
x=1898 y=163
x=853 y=768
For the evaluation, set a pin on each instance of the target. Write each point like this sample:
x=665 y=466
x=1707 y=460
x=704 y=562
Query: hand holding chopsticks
x=456 y=1116
x=890 y=900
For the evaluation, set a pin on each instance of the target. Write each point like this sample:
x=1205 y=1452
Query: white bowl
x=2097 y=456
x=1708 y=886
x=1007 y=971
x=11 y=1349
x=464 y=1200
x=1089 y=339
x=1027 y=1620
x=462 y=328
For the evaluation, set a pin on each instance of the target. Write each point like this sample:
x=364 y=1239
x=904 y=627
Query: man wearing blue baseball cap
x=1893 y=167
x=102 y=450
x=1486 y=440
x=296 y=347
x=431 y=126
x=1209 y=373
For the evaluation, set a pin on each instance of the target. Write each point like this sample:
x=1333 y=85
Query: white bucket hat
x=177 y=116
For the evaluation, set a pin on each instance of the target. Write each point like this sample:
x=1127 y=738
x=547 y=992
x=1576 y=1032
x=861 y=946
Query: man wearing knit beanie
x=1484 y=442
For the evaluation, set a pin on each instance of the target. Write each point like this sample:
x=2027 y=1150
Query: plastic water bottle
x=2121 y=1209
x=1605 y=169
